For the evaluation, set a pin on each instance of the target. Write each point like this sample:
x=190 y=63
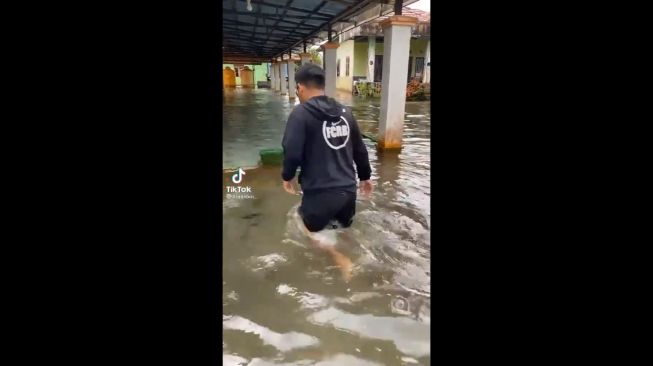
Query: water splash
x=282 y=341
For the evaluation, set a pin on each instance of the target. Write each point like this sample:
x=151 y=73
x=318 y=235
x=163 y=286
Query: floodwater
x=284 y=301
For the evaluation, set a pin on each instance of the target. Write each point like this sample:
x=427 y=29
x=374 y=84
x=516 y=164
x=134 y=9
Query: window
x=338 y=68
x=347 y=67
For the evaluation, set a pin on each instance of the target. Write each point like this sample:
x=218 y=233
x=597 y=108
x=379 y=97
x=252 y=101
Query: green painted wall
x=344 y=82
x=417 y=49
x=260 y=72
x=360 y=59
x=357 y=51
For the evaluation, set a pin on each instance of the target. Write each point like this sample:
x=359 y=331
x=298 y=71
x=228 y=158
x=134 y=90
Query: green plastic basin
x=271 y=156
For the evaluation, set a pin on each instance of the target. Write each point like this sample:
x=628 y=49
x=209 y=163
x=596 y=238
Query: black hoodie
x=323 y=139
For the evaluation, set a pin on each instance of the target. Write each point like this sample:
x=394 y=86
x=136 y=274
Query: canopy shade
x=273 y=27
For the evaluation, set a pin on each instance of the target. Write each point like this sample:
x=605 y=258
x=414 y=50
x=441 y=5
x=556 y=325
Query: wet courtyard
x=284 y=302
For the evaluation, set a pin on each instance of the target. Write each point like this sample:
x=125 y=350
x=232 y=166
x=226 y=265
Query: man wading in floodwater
x=323 y=139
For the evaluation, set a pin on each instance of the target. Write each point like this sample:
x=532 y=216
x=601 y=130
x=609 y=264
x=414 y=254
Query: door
x=378 y=67
x=419 y=67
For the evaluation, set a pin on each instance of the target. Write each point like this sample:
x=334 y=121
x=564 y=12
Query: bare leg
x=346 y=235
x=341 y=260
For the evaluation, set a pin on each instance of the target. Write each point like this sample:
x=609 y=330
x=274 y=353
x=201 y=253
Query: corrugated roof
x=275 y=26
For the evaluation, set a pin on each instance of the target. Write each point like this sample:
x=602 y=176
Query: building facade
x=360 y=53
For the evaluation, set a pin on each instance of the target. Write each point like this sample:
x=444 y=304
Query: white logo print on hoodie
x=336 y=132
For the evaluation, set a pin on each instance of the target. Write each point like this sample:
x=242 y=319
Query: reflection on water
x=253 y=120
x=285 y=302
x=409 y=336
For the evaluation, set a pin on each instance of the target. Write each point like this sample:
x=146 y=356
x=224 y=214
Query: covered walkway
x=281 y=32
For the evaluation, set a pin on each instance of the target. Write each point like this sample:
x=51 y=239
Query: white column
x=291 y=79
x=306 y=58
x=396 y=48
x=275 y=77
x=371 y=53
x=427 y=63
x=277 y=85
x=273 y=70
x=282 y=68
x=330 y=61
x=272 y=76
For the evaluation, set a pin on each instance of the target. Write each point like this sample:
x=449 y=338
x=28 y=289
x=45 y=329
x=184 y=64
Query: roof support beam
x=228 y=58
x=256 y=21
x=233 y=36
x=344 y=15
x=301 y=22
x=292 y=8
x=282 y=15
x=268 y=27
x=264 y=34
x=350 y=3
x=317 y=8
x=238 y=43
x=271 y=16
x=399 y=4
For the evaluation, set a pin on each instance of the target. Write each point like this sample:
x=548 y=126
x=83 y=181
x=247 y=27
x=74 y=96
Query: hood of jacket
x=324 y=108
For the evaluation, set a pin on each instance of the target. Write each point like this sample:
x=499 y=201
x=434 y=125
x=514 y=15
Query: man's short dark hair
x=310 y=75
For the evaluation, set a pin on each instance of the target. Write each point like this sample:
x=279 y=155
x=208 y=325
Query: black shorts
x=317 y=209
